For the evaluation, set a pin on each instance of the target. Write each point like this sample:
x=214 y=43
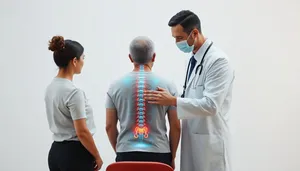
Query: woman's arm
x=76 y=105
x=86 y=137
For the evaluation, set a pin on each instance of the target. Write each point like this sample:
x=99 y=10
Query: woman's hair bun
x=57 y=43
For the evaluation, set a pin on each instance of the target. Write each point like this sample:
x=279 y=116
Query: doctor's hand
x=160 y=96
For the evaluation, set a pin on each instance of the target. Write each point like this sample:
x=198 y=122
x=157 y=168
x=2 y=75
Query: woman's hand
x=98 y=164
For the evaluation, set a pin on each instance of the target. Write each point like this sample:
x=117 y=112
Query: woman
x=69 y=115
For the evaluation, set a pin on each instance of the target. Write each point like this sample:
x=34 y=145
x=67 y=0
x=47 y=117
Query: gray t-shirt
x=142 y=125
x=64 y=104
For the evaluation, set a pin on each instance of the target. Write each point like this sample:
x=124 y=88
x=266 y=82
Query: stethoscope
x=199 y=65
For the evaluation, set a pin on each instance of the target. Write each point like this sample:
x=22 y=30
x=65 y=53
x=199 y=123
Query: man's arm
x=111 y=122
x=175 y=129
x=111 y=127
x=218 y=81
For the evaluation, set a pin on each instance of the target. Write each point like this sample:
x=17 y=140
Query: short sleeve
x=173 y=91
x=109 y=104
x=76 y=105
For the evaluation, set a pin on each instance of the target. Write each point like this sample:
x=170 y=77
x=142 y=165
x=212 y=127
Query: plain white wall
x=260 y=36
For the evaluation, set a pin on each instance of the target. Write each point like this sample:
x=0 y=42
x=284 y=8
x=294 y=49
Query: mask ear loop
x=189 y=37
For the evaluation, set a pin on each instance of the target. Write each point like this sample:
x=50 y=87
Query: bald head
x=141 y=50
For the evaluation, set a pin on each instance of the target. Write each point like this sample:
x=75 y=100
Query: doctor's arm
x=111 y=122
x=218 y=80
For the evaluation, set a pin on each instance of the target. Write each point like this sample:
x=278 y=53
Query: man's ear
x=153 y=58
x=130 y=58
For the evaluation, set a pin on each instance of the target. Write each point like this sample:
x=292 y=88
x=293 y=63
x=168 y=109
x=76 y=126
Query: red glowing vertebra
x=141 y=130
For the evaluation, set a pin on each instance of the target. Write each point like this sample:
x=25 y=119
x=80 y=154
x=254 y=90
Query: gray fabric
x=64 y=104
x=122 y=96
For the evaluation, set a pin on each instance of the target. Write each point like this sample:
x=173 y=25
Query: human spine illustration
x=141 y=130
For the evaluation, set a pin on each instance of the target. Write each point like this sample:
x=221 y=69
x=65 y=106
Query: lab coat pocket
x=208 y=152
x=198 y=91
x=198 y=81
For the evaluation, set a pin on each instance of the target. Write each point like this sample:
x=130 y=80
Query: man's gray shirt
x=142 y=125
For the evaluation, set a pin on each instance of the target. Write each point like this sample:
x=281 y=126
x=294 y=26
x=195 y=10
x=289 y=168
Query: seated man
x=143 y=131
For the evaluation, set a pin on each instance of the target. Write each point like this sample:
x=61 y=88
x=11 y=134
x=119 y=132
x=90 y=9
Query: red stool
x=138 y=166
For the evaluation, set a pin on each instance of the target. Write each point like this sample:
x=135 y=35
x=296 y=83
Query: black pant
x=70 y=156
x=165 y=158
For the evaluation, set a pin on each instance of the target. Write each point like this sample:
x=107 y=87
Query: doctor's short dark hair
x=187 y=19
x=64 y=50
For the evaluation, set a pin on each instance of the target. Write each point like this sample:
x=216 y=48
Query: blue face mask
x=184 y=46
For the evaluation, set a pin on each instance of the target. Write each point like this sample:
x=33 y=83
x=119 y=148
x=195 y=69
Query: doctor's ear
x=130 y=58
x=195 y=32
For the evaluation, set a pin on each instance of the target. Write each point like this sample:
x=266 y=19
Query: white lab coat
x=204 y=113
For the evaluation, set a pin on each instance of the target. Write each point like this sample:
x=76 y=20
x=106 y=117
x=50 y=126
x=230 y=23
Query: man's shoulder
x=160 y=80
x=121 y=80
x=122 y=83
x=164 y=83
x=129 y=80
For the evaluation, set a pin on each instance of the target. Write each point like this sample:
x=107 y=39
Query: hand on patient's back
x=160 y=96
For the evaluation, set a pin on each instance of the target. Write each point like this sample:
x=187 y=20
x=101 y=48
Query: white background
x=260 y=36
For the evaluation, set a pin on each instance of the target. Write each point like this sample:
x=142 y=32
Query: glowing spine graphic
x=141 y=127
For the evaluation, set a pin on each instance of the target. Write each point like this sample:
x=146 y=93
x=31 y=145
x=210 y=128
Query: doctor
x=206 y=99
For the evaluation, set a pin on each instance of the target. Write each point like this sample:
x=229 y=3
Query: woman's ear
x=74 y=61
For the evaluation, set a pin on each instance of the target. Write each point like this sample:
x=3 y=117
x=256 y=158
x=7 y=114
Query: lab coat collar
x=199 y=54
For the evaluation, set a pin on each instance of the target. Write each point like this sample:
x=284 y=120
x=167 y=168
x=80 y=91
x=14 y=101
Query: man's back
x=142 y=125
